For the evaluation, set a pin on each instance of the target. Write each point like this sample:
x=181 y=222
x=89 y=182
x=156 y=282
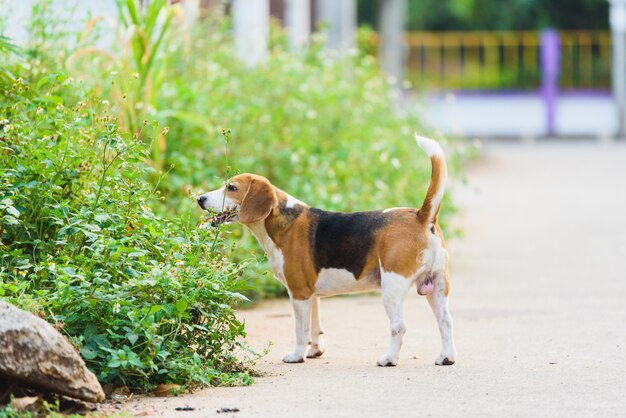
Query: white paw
x=314 y=351
x=445 y=360
x=387 y=361
x=293 y=358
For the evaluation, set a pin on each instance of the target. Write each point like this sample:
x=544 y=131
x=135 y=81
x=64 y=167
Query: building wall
x=17 y=14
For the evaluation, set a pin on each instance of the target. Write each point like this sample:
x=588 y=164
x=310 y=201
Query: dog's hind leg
x=316 y=349
x=394 y=288
x=438 y=301
x=302 y=314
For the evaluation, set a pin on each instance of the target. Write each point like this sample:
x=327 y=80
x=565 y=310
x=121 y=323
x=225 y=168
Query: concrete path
x=538 y=299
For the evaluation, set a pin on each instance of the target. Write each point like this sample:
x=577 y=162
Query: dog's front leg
x=317 y=340
x=302 y=314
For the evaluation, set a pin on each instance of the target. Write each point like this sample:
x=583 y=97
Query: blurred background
x=489 y=68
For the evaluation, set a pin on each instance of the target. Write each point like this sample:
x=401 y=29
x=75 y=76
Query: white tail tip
x=429 y=146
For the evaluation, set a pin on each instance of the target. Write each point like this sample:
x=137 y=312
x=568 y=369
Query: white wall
x=17 y=14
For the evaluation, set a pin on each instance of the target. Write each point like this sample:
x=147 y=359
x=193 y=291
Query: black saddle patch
x=343 y=240
x=291 y=214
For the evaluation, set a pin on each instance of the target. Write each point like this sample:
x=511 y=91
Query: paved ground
x=519 y=114
x=538 y=298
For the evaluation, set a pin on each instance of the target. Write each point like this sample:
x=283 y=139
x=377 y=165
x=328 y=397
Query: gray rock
x=34 y=354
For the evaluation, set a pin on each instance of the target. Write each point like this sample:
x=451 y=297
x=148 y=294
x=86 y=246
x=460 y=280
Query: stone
x=34 y=354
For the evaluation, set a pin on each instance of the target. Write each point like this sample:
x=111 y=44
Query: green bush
x=143 y=297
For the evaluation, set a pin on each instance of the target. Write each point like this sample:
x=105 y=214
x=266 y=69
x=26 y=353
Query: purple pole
x=550 y=60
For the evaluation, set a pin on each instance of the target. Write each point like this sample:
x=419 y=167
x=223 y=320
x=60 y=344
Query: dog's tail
x=432 y=202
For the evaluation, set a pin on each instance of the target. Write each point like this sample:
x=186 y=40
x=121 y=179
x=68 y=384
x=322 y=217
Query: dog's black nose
x=201 y=201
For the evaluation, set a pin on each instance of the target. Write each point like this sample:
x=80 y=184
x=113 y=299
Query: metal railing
x=505 y=60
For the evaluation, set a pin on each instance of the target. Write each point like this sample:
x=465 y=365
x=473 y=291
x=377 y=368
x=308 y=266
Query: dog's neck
x=269 y=231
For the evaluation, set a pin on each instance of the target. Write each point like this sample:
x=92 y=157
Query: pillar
x=251 y=29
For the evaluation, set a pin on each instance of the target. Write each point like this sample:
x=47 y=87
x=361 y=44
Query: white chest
x=274 y=254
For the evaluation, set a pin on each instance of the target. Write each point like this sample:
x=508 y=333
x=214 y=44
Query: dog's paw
x=444 y=360
x=314 y=351
x=387 y=361
x=293 y=358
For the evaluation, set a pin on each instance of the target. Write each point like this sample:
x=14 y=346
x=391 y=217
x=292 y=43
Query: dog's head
x=246 y=198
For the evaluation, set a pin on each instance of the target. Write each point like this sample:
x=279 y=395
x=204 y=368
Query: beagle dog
x=316 y=253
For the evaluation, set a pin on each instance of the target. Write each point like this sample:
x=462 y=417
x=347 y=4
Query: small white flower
x=39 y=110
x=59 y=106
x=105 y=102
x=116 y=307
x=53 y=266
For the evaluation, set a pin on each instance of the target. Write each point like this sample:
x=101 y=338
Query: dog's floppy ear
x=258 y=201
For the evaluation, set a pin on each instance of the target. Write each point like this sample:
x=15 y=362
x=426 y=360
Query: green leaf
x=154 y=309
x=181 y=306
x=6 y=46
x=10 y=220
x=10 y=287
x=132 y=338
x=42 y=82
x=90 y=332
x=16 y=213
x=88 y=353
x=70 y=271
x=102 y=217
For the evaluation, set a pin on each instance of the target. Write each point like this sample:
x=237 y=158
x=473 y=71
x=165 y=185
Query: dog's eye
x=231 y=187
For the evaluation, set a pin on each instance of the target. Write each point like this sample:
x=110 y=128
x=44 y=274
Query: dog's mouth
x=224 y=217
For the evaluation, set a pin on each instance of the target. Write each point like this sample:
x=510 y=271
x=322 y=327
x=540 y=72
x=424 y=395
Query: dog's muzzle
x=218 y=218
